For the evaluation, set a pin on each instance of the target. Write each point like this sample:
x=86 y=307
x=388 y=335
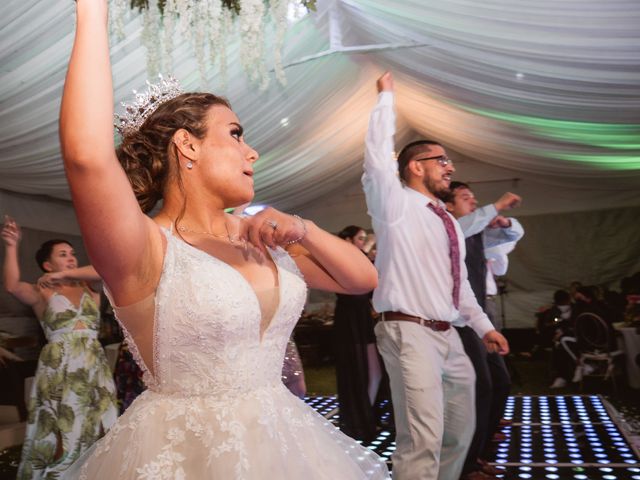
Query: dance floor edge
x=564 y=437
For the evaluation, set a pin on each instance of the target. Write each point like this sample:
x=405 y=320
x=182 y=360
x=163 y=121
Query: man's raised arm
x=380 y=181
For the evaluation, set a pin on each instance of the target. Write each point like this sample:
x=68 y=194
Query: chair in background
x=597 y=346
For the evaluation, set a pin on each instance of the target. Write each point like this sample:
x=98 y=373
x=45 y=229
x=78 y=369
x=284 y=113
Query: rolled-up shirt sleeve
x=382 y=186
x=478 y=220
x=505 y=238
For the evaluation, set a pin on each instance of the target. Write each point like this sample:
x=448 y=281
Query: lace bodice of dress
x=207 y=325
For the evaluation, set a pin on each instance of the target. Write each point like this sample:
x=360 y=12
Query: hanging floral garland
x=207 y=24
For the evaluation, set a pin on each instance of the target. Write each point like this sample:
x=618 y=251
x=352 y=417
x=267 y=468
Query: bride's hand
x=272 y=228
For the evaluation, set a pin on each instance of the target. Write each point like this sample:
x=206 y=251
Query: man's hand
x=385 y=83
x=500 y=222
x=495 y=342
x=507 y=201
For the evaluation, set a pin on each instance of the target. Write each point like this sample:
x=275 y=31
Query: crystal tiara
x=145 y=104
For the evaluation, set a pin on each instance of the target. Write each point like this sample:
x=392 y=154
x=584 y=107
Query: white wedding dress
x=216 y=407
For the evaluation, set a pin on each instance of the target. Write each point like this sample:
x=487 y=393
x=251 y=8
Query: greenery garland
x=231 y=5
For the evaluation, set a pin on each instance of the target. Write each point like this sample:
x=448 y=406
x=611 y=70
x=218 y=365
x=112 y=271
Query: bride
x=207 y=299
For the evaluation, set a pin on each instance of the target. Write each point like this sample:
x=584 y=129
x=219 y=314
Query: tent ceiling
x=548 y=93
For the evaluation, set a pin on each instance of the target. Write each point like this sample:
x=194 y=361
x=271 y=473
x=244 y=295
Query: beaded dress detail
x=216 y=406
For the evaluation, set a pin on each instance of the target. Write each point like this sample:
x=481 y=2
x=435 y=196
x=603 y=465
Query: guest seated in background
x=565 y=349
x=556 y=317
x=73 y=398
x=554 y=324
x=587 y=301
x=573 y=289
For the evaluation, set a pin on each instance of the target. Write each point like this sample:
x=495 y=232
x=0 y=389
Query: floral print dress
x=73 y=397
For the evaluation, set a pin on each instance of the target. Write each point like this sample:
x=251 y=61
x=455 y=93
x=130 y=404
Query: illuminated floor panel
x=559 y=437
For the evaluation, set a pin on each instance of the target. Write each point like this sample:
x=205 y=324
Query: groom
x=423 y=290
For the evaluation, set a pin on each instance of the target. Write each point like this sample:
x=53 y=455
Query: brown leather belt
x=437 y=325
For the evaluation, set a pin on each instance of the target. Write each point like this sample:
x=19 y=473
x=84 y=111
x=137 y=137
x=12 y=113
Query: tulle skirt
x=267 y=433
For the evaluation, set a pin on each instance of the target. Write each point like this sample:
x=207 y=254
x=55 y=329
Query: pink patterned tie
x=454 y=249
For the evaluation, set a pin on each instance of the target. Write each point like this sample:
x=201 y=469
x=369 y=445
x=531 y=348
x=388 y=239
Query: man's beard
x=439 y=192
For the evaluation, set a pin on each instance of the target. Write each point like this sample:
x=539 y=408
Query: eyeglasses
x=442 y=160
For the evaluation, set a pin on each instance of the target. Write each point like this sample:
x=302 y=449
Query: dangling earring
x=189 y=165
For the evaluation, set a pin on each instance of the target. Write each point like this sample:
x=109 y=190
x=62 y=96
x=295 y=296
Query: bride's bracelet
x=304 y=231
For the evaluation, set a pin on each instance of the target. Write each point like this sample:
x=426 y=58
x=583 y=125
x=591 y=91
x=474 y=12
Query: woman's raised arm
x=23 y=291
x=124 y=245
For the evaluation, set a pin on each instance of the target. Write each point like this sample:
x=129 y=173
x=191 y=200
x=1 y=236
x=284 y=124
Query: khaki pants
x=432 y=388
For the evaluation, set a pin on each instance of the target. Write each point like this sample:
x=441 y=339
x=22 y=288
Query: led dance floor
x=552 y=437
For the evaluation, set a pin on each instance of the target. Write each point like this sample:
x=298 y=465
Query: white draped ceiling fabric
x=542 y=98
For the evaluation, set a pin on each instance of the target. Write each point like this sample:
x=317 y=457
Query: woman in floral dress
x=73 y=398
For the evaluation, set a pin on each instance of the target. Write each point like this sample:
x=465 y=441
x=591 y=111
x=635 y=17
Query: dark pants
x=501 y=382
x=562 y=364
x=492 y=389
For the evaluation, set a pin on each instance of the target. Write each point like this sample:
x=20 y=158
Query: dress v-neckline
x=78 y=307
x=254 y=293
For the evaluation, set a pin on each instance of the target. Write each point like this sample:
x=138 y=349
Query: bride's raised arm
x=124 y=245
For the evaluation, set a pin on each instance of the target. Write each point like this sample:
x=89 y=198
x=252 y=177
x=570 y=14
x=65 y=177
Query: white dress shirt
x=498 y=242
x=477 y=220
x=413 y=247
x=497 y=249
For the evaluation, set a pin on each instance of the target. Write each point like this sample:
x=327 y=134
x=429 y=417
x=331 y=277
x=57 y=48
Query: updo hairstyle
x=145 y=154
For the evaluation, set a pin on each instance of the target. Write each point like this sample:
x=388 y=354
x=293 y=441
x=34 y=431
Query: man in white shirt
x=483 y=228
x=422 y=291
x=497 y=236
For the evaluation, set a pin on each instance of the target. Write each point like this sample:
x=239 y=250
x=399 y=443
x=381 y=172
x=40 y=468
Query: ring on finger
x=272 y=223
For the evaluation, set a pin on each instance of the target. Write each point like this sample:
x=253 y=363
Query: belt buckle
x=429 y=323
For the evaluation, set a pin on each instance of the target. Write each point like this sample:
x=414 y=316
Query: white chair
x=596 y=346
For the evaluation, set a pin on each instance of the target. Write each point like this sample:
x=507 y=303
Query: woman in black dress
x=358 y=368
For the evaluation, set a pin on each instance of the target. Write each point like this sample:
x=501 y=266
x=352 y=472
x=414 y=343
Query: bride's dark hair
x=146 y=153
